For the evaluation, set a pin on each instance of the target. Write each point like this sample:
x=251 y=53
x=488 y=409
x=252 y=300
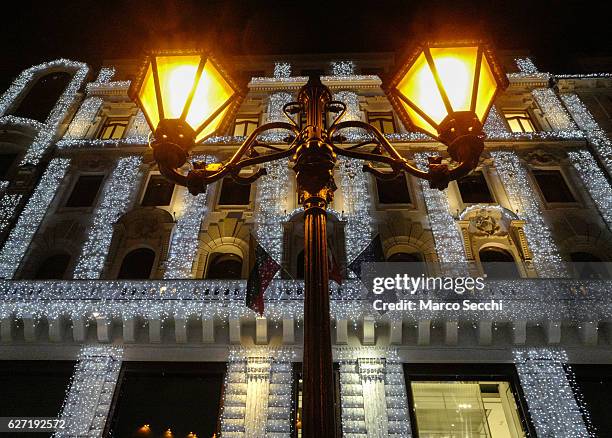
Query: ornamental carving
x=542 y=157
x=488 y=220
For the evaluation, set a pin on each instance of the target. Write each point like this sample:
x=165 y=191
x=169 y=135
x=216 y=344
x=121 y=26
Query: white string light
x=25 y=80
x=184 y=241
x=595 y=182
x=523 y=199
x=343 y=68
x=84 y=118
x=447 y=238
x=551 y=402
x=553 y=109
x=282 y=70
x=90 y=394
x=8 y=205
x=31 y=217
x=117 y=194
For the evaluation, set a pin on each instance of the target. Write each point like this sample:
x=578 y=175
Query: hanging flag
x=263 y=268
x=335 y=273
x=372 y=253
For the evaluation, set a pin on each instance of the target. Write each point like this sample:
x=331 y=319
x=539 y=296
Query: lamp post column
x=314 y=164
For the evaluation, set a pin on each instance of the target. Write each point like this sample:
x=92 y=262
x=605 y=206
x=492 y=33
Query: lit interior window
x=113 y=128
x=466 y=409
x=245 y=125
x=382 y=121
x=519 y=121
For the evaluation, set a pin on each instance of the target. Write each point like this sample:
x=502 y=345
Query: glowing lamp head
x=185 y=98
x=446 y=91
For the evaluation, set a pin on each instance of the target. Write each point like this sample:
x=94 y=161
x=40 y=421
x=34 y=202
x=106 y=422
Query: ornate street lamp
x=445 y=91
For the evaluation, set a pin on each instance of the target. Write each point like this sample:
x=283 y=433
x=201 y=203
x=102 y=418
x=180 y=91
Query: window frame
x=105 y=124
x=371 y=115
x=529 y=116
x=576 y=203
x=246 y=117
x=467 y=372
x=146 y=186
x=240 y=207
x=74 y=182
x=485 y=175
x=395 y=206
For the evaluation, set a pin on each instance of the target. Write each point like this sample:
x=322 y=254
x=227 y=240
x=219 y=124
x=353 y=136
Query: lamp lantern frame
x=313 y=149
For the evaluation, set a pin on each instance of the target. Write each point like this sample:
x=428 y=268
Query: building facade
x=122 y=295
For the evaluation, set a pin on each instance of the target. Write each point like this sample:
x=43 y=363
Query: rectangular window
x=474 y=189
x=85 y=191
x=383 y=121
x=6 y=161
x=233 y=193
x=519 y=121
x=245 y=125
x=113 y=128
x=394 y=191
x=157 y=400
x=159 y=192
x=553 y=186
x=477 y=409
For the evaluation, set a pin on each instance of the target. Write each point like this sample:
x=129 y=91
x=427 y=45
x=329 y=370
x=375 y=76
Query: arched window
x=53 y=267
x=498 y=263
x=299 y=268
x=588 y=266
x=416 y=265
x=224 y=266
x=43 y=96
x=137 y=264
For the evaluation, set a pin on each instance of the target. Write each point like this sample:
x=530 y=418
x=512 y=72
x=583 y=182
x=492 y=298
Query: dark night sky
x=554 y=31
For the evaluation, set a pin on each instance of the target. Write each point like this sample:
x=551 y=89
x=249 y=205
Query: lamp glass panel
x=486 y=89
x=456 y=68
x=419 y=86
x=213 y=125
x=419 y=121
x=148 y=98
x=176 y=77
x=211 y=93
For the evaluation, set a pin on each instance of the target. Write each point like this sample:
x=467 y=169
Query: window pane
x=42 y=97
x=159 y=192
x=20 y=380
x=225 y=267
x=137 y=264
x=498 y=263
x=113 y=128
x=233 y=193
x=182 y=397
x=553 y=186
x=85 y=191
x=519 y=121
x=53 y=268
x=245 y=125
x=393 y=191
x=465 y=409
x=474 y=189
x=6 y=161
x=382 y=121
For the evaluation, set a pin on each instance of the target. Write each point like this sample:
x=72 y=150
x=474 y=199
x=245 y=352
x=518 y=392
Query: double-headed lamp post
x=443 y=90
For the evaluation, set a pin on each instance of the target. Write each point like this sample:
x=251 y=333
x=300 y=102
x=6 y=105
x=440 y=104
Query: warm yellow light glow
x=177 y=76
x=419 y=86
x=486 y=89
x=212 y=92
x=148 y=99
x=456 y=68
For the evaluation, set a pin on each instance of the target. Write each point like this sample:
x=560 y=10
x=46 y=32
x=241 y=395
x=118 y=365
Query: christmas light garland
x=524 y=200
x=8 y=205
x=185 y=235
x=342 y=68
x=595 y=182
x=282 y=69
x=29 y=77
x=90 y=394
x=597 y=137
x=117 y=194
x=83 y=120
x=31 y=217
x=553 y=109
x=551 y=402
x=447 y=237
